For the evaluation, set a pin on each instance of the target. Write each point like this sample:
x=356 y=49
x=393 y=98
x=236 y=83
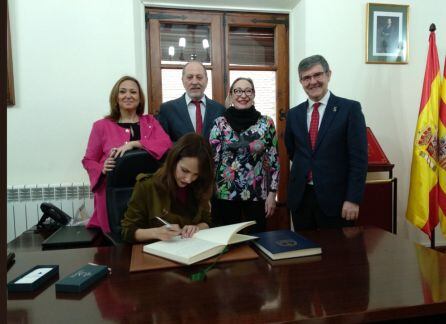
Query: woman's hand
x=189 y=230
x=163 y=233
x=118 y=152
x=270 y=204
x=109 y=164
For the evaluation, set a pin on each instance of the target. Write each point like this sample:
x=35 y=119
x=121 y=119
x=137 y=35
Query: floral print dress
x=247 y=163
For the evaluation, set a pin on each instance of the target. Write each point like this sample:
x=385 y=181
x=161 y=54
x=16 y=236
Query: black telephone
x=57 y=216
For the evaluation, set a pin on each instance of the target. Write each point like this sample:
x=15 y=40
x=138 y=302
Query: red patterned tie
x=314 y=124
x=198 y=118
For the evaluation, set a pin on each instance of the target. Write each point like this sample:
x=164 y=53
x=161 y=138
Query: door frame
x=220 y=22
x=157 y=16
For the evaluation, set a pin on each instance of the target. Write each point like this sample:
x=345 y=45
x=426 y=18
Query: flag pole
x=432 y=28
x=433 y=239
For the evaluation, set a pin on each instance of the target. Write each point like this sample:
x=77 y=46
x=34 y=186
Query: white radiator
x=23 y=204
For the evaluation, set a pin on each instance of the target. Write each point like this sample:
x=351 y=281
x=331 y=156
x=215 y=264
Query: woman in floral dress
x=244 y=144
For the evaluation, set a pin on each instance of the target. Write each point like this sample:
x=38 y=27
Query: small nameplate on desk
x=33 y=279
x=81 y=279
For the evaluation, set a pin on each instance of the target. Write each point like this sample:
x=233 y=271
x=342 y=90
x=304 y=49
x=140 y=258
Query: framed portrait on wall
x=387 y=37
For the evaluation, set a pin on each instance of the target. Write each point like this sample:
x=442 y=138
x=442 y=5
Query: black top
x=241 y=119
x=135 y=132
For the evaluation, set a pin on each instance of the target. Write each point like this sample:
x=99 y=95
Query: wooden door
x=229 y=45
x=173 y=38
x=257 y=47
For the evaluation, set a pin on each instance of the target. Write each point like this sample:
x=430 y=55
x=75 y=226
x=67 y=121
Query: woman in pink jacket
x=125 y=128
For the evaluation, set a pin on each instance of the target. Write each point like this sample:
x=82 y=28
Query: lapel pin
x=335 y=109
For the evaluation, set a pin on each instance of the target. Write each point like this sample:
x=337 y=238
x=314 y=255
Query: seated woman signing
x=179 y=193
x=125 y=128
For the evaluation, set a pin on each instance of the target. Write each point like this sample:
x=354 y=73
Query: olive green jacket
x=149 y=201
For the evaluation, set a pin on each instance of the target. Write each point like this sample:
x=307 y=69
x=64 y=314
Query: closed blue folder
x=283 y=244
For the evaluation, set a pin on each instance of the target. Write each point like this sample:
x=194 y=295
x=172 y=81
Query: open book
x=202 y=245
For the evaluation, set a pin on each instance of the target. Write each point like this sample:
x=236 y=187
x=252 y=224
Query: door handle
x=282 y=114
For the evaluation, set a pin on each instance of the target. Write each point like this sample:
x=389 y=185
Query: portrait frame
x=387 y=34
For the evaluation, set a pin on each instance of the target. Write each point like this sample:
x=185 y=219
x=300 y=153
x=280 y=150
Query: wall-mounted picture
x=387 y=39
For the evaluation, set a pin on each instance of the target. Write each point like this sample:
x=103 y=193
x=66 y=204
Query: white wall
x=68 y=55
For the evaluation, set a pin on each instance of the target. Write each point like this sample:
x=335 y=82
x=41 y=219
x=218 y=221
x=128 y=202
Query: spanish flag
x=442 y=154
x=422 y=206
x=433 y=275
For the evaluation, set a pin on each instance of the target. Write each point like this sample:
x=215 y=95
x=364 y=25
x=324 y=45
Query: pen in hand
x=166 y=224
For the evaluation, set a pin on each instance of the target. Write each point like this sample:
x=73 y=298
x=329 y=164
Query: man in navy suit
x=326 y=141
x=193 y=111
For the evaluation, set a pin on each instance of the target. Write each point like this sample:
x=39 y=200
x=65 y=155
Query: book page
x=222 y=234
x=184 y=247
x=237 y=238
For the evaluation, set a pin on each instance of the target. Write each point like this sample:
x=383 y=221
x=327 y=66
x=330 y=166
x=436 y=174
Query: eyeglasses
x=317 y=76
x=238 y=92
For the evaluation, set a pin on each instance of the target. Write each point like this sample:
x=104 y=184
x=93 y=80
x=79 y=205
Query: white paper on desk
x=186 y=247
x=33 y=276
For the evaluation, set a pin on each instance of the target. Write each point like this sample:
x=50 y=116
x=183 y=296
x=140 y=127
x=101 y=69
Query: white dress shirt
x=323 y=102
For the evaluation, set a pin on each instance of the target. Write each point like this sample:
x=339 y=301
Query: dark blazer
x=339 y=161
x=175 y=119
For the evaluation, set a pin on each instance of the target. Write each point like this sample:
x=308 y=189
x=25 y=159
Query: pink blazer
x=105 y=135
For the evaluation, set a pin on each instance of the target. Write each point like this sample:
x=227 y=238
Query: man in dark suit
x=193 y=111
x=326 y=141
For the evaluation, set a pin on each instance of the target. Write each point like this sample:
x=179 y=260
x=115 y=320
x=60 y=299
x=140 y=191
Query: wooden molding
x=10 y=97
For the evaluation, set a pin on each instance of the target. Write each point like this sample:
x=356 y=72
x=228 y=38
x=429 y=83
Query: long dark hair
x=189 y=145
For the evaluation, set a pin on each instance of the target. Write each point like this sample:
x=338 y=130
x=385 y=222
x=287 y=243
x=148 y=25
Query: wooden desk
x=363 y=275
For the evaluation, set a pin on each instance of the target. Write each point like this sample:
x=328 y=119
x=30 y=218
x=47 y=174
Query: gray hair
x=309 y=62
x=194 y=61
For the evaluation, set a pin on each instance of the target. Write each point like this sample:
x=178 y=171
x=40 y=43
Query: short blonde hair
x=228 y=100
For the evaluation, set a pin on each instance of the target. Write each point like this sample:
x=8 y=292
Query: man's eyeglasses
x=238 y=92
x=317 y=76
